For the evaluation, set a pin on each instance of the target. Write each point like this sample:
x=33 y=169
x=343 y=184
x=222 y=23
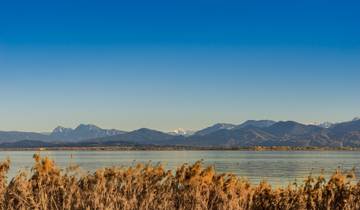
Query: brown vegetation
x=152 y=187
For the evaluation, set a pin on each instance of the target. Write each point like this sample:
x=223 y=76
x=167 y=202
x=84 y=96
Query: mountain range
x=60 y=134
x=249 y=133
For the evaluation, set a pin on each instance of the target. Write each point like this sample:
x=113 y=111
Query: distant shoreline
x=181 y=148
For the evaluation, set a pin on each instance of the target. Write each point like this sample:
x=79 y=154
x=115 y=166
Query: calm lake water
x=277 y=167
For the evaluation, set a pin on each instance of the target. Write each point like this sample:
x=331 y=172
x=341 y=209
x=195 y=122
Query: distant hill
x=256 y=123
x=291 y=128
x=342 y=129
x=13 y=136
x=28 y=144
x=214 y=128
x=230 y=137
x=227 y=126
x=142 y=136
x=82 y=132
x=249 y=133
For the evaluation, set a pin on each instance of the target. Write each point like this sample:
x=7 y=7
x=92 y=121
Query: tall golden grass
x=148 y=187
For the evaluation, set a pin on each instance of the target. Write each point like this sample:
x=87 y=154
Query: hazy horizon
x=167 y=65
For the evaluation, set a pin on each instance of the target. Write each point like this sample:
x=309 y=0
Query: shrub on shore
x=153 y=188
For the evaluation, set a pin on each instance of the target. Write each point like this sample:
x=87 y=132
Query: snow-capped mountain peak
x=325 y=124
x=182 y=132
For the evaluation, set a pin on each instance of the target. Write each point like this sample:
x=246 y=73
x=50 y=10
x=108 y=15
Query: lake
x=277 y=167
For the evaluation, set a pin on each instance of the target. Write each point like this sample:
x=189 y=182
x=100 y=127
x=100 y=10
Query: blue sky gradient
x=169 y=64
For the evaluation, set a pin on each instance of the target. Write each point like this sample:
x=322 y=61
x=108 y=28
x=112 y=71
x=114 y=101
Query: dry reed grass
x=148 y=187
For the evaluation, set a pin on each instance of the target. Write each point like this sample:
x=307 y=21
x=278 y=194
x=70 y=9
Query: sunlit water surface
x=277 y=167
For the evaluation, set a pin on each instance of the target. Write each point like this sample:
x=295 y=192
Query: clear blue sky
x=168 y=64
